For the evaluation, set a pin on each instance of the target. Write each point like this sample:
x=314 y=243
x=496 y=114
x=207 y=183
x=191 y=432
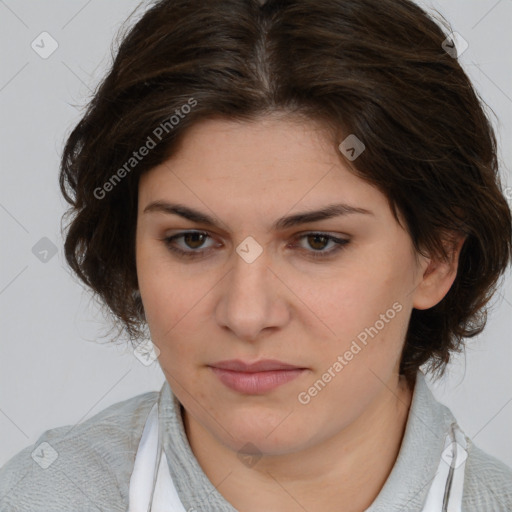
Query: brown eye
x=194 y=240
x=192 y=246
x=317 y=242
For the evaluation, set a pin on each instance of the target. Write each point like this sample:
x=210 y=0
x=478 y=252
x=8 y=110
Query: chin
x=267 y=433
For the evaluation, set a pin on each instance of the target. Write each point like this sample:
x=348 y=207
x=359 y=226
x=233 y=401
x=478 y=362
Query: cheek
x=163 y=295
x=366 y=312
x=347 y=304
x=171 y=308
x=350 y=370
x=175 y=309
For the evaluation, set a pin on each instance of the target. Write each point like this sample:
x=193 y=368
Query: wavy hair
x=374 y=68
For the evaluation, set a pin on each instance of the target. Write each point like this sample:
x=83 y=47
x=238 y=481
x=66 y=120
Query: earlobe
x=438 y=277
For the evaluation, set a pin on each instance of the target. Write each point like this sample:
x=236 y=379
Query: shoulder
x=89 y=464
x=487 y=482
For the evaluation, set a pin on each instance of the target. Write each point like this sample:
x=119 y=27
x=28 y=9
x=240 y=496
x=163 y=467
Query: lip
x=255 y=378
x=264 y=365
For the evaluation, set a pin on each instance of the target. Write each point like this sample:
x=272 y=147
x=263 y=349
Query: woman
x=300 y=200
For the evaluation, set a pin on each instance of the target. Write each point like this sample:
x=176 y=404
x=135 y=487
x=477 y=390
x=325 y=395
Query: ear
x=438 y=275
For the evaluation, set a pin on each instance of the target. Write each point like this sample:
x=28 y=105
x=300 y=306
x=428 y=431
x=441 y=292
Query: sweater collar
x=406 y=487
x=428 y=424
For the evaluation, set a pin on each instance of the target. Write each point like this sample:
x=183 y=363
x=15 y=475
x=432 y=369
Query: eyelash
x=340 y=243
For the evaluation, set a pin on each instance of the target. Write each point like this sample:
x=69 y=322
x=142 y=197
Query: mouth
x=255 y=378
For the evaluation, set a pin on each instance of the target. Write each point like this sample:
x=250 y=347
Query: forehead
x=287 y=159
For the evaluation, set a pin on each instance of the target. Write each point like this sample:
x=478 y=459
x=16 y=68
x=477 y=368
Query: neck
x=349 y=468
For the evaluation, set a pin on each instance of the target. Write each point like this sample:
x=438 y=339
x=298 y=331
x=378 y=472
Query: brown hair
x=373 y=68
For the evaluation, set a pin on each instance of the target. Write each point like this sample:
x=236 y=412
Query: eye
x=194 y=244
x=318 y=241
x=192 y=239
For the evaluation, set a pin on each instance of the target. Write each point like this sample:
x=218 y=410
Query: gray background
x=53 y=369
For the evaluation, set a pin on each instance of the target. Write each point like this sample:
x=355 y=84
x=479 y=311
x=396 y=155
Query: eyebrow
x=330 y=211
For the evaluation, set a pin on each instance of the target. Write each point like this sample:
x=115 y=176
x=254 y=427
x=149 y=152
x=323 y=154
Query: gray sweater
x=88 y=467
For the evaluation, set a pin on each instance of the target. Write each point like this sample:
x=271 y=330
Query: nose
x=252 y=298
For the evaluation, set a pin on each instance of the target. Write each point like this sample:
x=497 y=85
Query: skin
x=341 y=446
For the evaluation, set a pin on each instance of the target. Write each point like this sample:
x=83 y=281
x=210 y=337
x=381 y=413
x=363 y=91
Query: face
x=331 y=296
